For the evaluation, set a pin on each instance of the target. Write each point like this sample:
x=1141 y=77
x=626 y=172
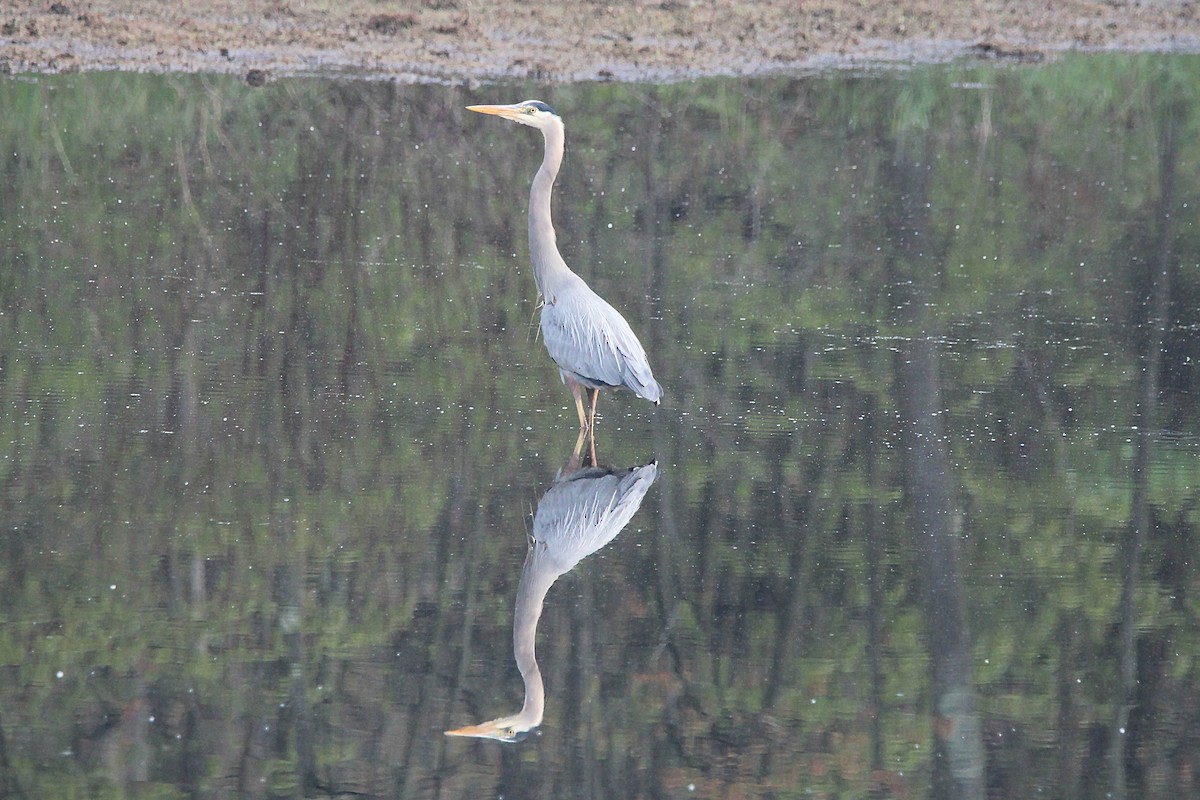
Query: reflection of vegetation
x=240 y=325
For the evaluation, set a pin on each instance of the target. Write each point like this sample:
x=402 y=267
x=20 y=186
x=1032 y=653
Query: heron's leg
x=595 y=398
x=577 y=392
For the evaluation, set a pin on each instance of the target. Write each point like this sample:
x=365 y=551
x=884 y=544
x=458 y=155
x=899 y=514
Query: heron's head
x=533 y=113
x=505 y=729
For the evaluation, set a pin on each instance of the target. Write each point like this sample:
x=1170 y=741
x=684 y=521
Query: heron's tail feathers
x=645 y=386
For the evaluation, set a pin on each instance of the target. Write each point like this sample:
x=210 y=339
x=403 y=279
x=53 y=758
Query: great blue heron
x=581 y=513
x=590 y=341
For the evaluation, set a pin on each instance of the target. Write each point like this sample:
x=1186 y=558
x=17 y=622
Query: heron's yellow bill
x=508 y=112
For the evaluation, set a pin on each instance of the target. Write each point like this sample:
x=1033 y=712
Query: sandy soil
x=564 y=40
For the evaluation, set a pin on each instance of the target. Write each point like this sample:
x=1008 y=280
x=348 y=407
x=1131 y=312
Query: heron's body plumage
x=593 y=344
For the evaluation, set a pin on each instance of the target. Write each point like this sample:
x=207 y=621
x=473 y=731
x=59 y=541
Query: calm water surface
x=277 y=427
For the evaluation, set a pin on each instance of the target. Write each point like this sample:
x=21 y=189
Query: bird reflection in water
x=590 y=341
x=584 y=510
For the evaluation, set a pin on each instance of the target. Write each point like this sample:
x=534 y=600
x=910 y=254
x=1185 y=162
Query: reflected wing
x=586 y=510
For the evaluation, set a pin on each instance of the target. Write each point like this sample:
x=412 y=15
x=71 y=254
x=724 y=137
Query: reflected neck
x=536 y=579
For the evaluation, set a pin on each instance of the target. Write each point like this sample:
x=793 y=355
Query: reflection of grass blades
x=64 y=159
x=189 y=205
x=535 y=330
x=917 y=100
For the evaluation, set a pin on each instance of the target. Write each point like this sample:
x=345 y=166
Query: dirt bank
x=564 y=40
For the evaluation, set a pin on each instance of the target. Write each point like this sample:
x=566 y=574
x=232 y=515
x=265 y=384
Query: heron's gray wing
x=590 y=339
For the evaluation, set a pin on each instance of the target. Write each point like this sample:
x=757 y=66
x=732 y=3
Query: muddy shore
x=628 y=40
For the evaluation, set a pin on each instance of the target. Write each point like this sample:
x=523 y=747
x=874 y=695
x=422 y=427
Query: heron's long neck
x=536 y=579
x=548 y=265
